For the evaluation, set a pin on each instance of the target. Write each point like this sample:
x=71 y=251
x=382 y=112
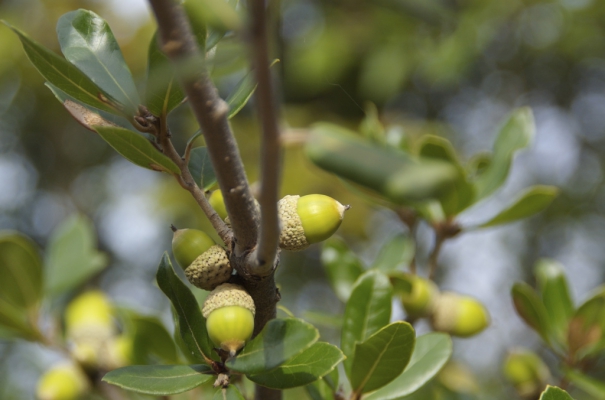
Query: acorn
x=421 y=299
x=210 y=269
x=526 y=372
x=188 y=244
x=62 y=382
x=459 y=315
x=229 y=311
x=308 y=219
x=218 y=203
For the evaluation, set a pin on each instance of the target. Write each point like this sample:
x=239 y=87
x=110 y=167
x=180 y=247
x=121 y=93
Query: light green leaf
x=20 y=272
x=554 y=393
x=229 y=393
x=242 y=92
x=366 y=312
x=163 y=90
x=159 y=380
x=592 y=386
x=341 y=265
x=87 y=42
x=136 y=149
x=529 y=306
x=151 y=340
x=201 y=168
x=430 y=354
x=320 y=390
x=396 y=254
x=382 y=357
x=62 y=74
x=530 y=202
x=278 y=342
x=72 y=256
x=302 y=369
x=191 y=322
x=514 y=135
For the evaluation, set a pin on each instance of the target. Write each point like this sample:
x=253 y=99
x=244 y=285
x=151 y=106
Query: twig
x=443 y=231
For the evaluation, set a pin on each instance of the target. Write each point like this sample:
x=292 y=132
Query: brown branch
x=264 y=256
x=178 y=43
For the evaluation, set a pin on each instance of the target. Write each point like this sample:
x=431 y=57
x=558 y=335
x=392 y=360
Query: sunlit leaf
x=341 y=265
x=530 y=202
x=554 y=393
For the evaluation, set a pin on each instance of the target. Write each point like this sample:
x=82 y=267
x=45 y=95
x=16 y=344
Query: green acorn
x=459 y=315
x=308 y=219
x=527 y=372
x=421 y=299
x=229 y=311
x=210 y=269
x=62 y=382
x=188 y=244
x=218 y=203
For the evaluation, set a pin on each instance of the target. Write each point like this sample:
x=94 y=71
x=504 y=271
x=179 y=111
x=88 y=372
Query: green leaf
x=302 y=369
x=397 y=253
x=191 y=322
x=320 y=390
x=151 y=338
x=72 y=256
x=555 y=296
x=136 y=149
x=514 y=135
x=529 y=306
x=15 y=322
x=87 y=42
x=229 y=393
x=366 y=312
x=20 y=271
x=278 y=342
x=201 y=168
x=342 y=266
x=62 y=74
x=382 y=357
x=530 y=202
x=592 y=386
x=554 y=393
x=586 y=333
x=159 y=380
x=164 y=93
x=430 y=354
x=242 y=92
x=399 y=177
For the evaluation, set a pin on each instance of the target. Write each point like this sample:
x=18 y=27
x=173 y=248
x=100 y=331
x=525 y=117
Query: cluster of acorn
x=229 y=310
x=448 y=312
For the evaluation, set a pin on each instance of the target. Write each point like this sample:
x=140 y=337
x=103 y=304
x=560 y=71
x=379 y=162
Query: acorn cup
x=229 y=311
x=210 y=269
x=459 y=315
x=308 y=219
x=188 y=244
x=62 y=382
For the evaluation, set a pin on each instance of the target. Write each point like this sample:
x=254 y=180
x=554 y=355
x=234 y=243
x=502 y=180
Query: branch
x=178 y=43
x=263 y=258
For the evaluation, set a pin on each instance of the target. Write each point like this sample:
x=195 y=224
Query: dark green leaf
x=592 y=386
x=62 y=74
x=152 y=338
x=430 y=355
x=163 y=90
x=320 y=390
x=586 y=333
x=514 y=135
x=341 y=265
x=159 y=380
x=87 y=42
x=530 y=202
x=230 y=393
x=191 y=322
x=136 y=149
x=554 y=393
x=366 y=312
x=20 y=272
x=555 y=295
x=15 y=322
x=302 y=369
x=278 y=342
x=382 y=357
x=394 y=174
x=72 y=256
x=397 y=253
x=201 y=167
x=529 y=306
x=402 y=282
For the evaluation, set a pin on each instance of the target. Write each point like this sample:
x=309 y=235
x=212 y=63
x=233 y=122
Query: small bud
x=210 y=269
x=459 y=315
x=188 y=244
x=527 y=372
x=217 y=202
x=62 y=382
x=420 y=301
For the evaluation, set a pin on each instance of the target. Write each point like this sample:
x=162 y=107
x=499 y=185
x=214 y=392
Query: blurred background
x=454 y=68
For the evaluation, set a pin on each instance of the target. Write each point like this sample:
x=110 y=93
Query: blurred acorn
x=62 y=382
x=526 y=371
x=459 y=315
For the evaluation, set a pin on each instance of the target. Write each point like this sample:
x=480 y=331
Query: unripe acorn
x=210 y=269
x=527 y=372
x=62 y=382
x=218 y=203
x=459 y=315
x=308 y=219
x=229 y=311
x=421 y=299
x=188 y=244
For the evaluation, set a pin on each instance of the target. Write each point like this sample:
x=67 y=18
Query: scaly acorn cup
x=188 y=244
x=210 y=269
x=62 y=382
x=527 y=372
x=308 y=219
x=229 y=311
x=459 y=315
x=217 y=202
x=420 y=301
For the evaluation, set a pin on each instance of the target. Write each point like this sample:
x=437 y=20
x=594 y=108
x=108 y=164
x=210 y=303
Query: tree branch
x=179 y=45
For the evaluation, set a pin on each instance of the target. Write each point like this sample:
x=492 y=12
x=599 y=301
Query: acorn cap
x=210 y=269
x=226 y=295
x=292 y=236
